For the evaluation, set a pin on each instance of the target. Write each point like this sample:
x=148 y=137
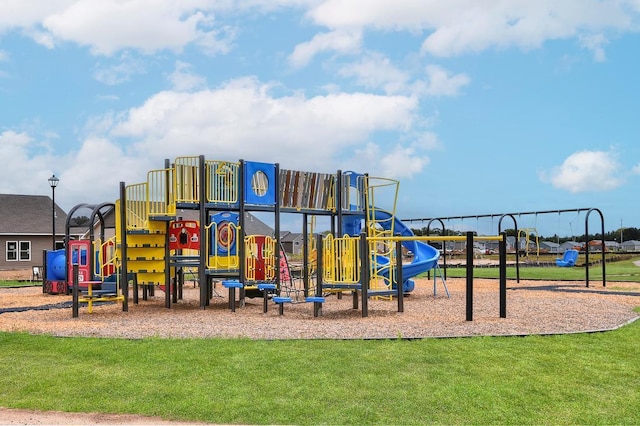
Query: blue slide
x=425 y=257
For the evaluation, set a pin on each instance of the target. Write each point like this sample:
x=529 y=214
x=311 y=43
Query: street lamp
x=53 y=182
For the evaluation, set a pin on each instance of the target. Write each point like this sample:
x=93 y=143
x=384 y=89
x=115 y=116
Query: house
x=612 y=245
x=26 y=227
x=292 y=242
x=569 y=245
x=549 y=247
x=631 y=245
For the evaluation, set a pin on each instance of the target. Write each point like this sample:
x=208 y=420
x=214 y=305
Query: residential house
x=26 y=229
x=549 y=247
x=292 y=242
x=569 y=245
x=631 y=245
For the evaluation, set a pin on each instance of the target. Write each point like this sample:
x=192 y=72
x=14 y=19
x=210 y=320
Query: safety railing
x=187 y=179
x=136 y=206
x=160 y=195
x=260 y=257
x=341 y=259
x=223 y=179
x=107 y=257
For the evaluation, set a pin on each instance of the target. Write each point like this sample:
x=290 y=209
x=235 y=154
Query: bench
x=232 y=285
x=280 y=300
x=266 y=289
x=317 y=304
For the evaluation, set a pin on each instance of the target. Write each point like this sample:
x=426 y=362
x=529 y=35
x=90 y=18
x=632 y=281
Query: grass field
x=565 y=379
x=623 y=270
x=569 y=379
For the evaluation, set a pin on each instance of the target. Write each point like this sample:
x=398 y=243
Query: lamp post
x=53 y=182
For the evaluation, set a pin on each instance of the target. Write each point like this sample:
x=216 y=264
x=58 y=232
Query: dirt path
x=10 y=416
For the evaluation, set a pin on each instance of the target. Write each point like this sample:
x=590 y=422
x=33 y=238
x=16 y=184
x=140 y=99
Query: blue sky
x=475 y=106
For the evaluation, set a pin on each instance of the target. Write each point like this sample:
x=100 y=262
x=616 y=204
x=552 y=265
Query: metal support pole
x=399 y=278
x=502 y=253
x=75 y=291
x=364 y=286
x=469 y=276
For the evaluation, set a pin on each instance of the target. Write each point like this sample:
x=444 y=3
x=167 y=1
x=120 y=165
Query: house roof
x=29 y=214
x=290 y=236
x=551 y=244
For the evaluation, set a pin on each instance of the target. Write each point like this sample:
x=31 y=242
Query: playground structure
x=142 y=239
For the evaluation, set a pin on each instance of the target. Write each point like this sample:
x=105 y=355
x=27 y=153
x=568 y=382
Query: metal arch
x=515 y=224
x=95 y=210
x=586 y=250
x=444 y=246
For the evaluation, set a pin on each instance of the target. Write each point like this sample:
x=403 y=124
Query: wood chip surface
x=533 y=307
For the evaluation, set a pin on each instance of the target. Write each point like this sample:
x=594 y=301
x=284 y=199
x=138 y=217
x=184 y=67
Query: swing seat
x=569 y=258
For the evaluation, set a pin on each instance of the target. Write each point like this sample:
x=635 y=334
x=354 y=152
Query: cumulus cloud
x=595 y=43
x=120 y=72
x=442 y=83
x=342 y=41
x=460 y=26
x=182 y=79
x=30 y=166
x=110 y=26
x=586 y=171
x=241 y=119
x=374 y=70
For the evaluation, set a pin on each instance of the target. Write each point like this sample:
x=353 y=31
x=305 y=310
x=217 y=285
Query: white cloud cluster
x=455 y=27
x=241 y=119
x=109 y=26
x=586 y=171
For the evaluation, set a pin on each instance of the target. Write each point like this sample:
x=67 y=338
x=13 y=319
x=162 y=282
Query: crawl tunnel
x=56 y=265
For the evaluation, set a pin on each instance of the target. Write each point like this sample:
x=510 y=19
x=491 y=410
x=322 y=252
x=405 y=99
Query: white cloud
x=109 y=26
x=119 y=73
x=344 y=42
x=242 y=120
x=586 y=171
x=30 y=166
x=636 y=169
x=455 y=27
x=182 y=79
x=595 y=43
x=374 y=71
x=441 y=83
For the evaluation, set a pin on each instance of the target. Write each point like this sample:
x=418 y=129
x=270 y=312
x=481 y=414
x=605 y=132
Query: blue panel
x=223 y=237
x=259 y=183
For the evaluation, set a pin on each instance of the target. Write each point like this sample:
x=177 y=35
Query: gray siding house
x=631 y=245
x=26 y=226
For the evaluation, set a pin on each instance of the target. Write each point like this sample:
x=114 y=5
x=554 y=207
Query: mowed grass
x=565 y=379
x=19 y=283
x=624 y=270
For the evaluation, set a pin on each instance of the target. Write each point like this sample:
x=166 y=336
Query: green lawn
x=624 y=270
x=569 y=379
x=14 y=283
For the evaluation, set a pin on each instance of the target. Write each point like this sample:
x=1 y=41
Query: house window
x=18 y=251
x=12 y=250
x=25 y=250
